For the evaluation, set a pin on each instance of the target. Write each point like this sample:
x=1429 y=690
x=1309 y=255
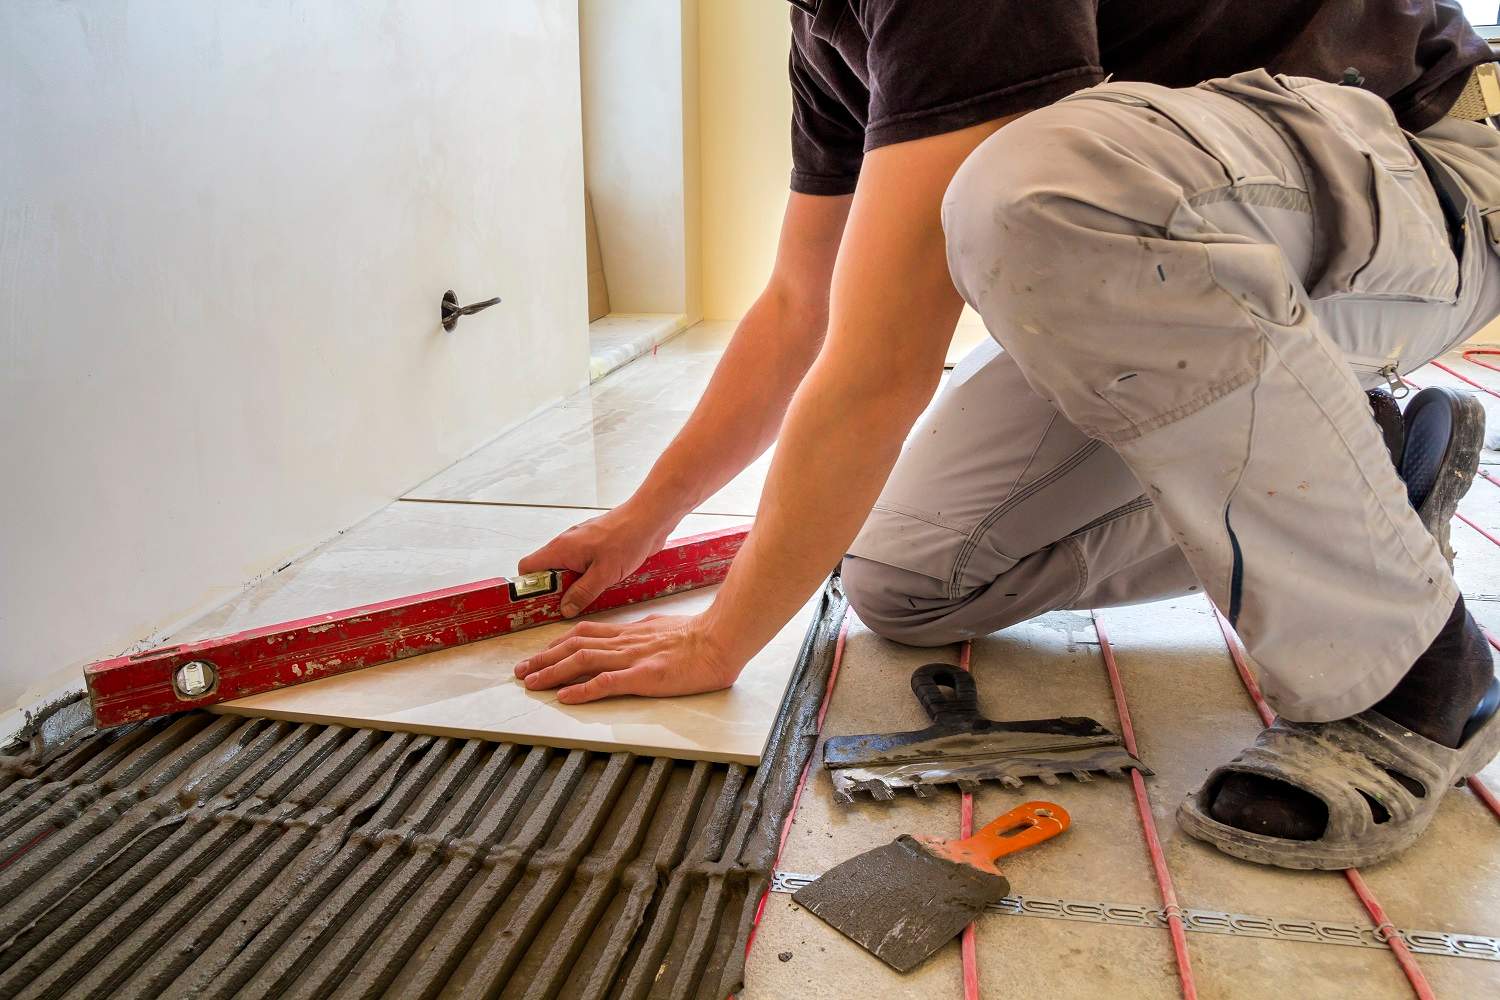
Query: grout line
x=1171 y=911
x=500 y=503
x=549 y=506
x=1383 y=925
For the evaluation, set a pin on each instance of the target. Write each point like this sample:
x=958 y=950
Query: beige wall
x=744 y=132
x=639 y=137
x=745 y=128
x=224 y=232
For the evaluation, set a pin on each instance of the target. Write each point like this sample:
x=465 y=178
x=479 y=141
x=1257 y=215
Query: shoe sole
x=1459 y=463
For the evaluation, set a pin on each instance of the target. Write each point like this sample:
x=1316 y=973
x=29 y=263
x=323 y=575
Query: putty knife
x=963 y=748
x=904 y=901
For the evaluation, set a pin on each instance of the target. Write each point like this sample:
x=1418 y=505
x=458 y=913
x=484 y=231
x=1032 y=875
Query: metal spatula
x=904 y=901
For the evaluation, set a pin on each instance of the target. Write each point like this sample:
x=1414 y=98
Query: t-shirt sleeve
x=942 y=65
x=827 y=138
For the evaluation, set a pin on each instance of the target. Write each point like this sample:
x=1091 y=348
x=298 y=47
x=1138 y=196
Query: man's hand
x=605 y=549
x=659 y=657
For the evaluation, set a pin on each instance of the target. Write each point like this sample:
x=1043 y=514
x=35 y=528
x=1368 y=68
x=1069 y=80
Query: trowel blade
x=900 y=902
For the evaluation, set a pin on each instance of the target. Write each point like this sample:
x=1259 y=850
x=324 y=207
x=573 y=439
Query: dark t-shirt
x=868 y=73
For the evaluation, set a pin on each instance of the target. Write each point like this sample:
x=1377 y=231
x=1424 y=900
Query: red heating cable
x=1384 y=929
x=1481 y=350
x=1170 y=906
x=1464 y=378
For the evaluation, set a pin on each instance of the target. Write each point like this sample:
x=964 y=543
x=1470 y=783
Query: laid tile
x=582 y=456
x=966 y=337
x=406 y=548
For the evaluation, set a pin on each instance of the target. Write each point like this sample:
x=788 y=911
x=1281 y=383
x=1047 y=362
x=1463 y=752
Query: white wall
x=225 y=229
x=639 y=121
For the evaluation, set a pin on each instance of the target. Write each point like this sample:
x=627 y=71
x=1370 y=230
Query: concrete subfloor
x=1189 y=709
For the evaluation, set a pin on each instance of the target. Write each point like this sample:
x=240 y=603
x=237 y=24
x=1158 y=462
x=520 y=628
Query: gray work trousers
x=1188 y=290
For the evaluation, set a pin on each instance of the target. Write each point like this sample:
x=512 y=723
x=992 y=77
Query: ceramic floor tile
x=470 y=690
x=404 y=549
x=583 y=456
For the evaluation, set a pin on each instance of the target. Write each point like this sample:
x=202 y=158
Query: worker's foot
x=1436 y=699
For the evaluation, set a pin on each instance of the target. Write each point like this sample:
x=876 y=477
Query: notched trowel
x=964 y=748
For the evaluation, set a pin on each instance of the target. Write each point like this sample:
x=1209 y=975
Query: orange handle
x=1024 y=826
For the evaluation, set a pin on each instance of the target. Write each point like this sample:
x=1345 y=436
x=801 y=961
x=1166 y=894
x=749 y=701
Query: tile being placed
x=471 y=690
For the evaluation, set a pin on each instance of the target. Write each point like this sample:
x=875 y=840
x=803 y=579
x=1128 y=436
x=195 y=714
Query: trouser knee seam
x=1081 y=569
x=1140 y=503
x=971 y=543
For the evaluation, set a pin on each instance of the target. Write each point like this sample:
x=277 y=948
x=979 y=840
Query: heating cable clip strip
x=1443 y=944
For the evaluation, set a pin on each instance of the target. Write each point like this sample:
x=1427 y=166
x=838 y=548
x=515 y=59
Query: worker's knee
x=898 y=604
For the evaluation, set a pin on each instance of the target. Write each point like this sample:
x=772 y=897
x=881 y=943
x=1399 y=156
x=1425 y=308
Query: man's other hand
x=658 y=657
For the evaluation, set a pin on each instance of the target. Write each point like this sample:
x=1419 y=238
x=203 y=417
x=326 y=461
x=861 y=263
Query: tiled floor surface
x=1189 y=708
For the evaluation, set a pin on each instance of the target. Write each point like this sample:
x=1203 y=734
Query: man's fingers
x=588 y=630
x=576 y=665
x=585 y=590
x=632 y=680
x=557 y=652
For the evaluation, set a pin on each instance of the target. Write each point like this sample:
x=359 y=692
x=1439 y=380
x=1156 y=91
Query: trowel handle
x=1024 y=826
x=946 y=692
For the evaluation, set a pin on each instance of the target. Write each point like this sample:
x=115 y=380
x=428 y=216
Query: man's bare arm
x=772 y=348
x=892 y=312
x=737 y=417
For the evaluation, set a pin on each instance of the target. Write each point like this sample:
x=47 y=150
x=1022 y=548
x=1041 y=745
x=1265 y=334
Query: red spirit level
x=177 y=678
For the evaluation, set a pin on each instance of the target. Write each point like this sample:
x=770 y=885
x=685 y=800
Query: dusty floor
x=1189 y=708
